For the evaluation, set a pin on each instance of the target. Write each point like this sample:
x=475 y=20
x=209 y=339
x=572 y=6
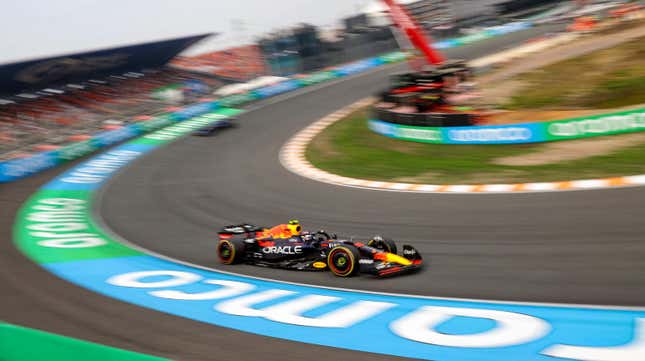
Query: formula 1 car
x=214 y=127
x=317 y=251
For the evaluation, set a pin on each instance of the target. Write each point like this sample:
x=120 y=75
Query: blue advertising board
x=110 y=137
x=195 y=110
x=358 y=66
x=12 y=170
x=23 y=167
x=491 y=134
x=494 y=134
x=279 y=88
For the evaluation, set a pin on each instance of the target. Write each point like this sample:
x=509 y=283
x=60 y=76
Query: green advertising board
x=56 y=226
x=77 y=150
x=404 y=132
x=237 y=99
x=157 y=122
x=393 y=57
x=168 y=134
x=472 y=38
x=593 y=126
x=425 y=135
x=318 y=77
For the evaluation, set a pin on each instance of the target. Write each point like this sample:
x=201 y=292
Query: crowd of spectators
x=238 y=64
x=49 y=118
x=46 y=119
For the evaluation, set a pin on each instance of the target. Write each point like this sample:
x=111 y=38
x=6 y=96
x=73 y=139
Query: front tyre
x=231 y=251
x=343 y=260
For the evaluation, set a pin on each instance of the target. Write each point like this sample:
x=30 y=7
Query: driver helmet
x=294 y=227
x=307 y=236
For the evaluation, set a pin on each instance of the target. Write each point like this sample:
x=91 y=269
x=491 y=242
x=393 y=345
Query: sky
x=36 y=28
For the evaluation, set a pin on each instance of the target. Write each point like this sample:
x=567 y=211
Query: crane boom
x=414 y=32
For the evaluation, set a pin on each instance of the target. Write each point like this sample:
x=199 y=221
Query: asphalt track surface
x=574 y=247
x=534 y=247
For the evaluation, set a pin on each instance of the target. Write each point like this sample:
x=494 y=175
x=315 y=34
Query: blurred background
x=53 y=91
x=461 y=97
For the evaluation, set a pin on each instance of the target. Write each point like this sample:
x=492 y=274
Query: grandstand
x=519 y=8
x=240 y=63
x=46 y=103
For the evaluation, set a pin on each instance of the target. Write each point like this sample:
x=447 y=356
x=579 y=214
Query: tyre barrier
x=575 y=128
x=56 y=229
x=424 y=120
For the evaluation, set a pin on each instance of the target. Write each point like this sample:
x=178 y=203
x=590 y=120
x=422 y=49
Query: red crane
x=414 y=32
x=429 y=90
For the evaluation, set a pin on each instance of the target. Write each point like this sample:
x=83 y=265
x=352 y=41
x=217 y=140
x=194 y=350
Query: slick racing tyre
x=343 y=260
x=384 y=244
x=231 y=251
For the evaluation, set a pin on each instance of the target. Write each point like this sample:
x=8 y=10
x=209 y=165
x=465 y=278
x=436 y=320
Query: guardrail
x=25 y=344
x=574 y=128
x=424 y=119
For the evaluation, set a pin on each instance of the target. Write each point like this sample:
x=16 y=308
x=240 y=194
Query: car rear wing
x=249 y=230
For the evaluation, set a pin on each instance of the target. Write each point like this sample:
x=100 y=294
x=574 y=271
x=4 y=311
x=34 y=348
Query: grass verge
x=608 y=78
x=350 y=149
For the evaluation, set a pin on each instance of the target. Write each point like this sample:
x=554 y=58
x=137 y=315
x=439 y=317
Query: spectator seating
x=52 y=117
x=237 y=64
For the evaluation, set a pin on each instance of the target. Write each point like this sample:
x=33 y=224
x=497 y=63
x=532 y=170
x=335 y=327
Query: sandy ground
x=557 y=151
x=559 y=53
x=529 y=116
x=497 y=87
x=573 y=150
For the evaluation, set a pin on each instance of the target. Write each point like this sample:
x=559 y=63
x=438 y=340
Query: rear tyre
x=385 y=244
x=231 y=251
x=343 y=260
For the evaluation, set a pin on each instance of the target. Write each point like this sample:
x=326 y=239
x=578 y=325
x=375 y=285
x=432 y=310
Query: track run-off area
x=576 y=248
x=293 y=157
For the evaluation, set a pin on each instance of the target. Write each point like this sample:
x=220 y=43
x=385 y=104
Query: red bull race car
x=285 y=246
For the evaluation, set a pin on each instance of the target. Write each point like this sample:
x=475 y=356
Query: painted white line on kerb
x=292 y=157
